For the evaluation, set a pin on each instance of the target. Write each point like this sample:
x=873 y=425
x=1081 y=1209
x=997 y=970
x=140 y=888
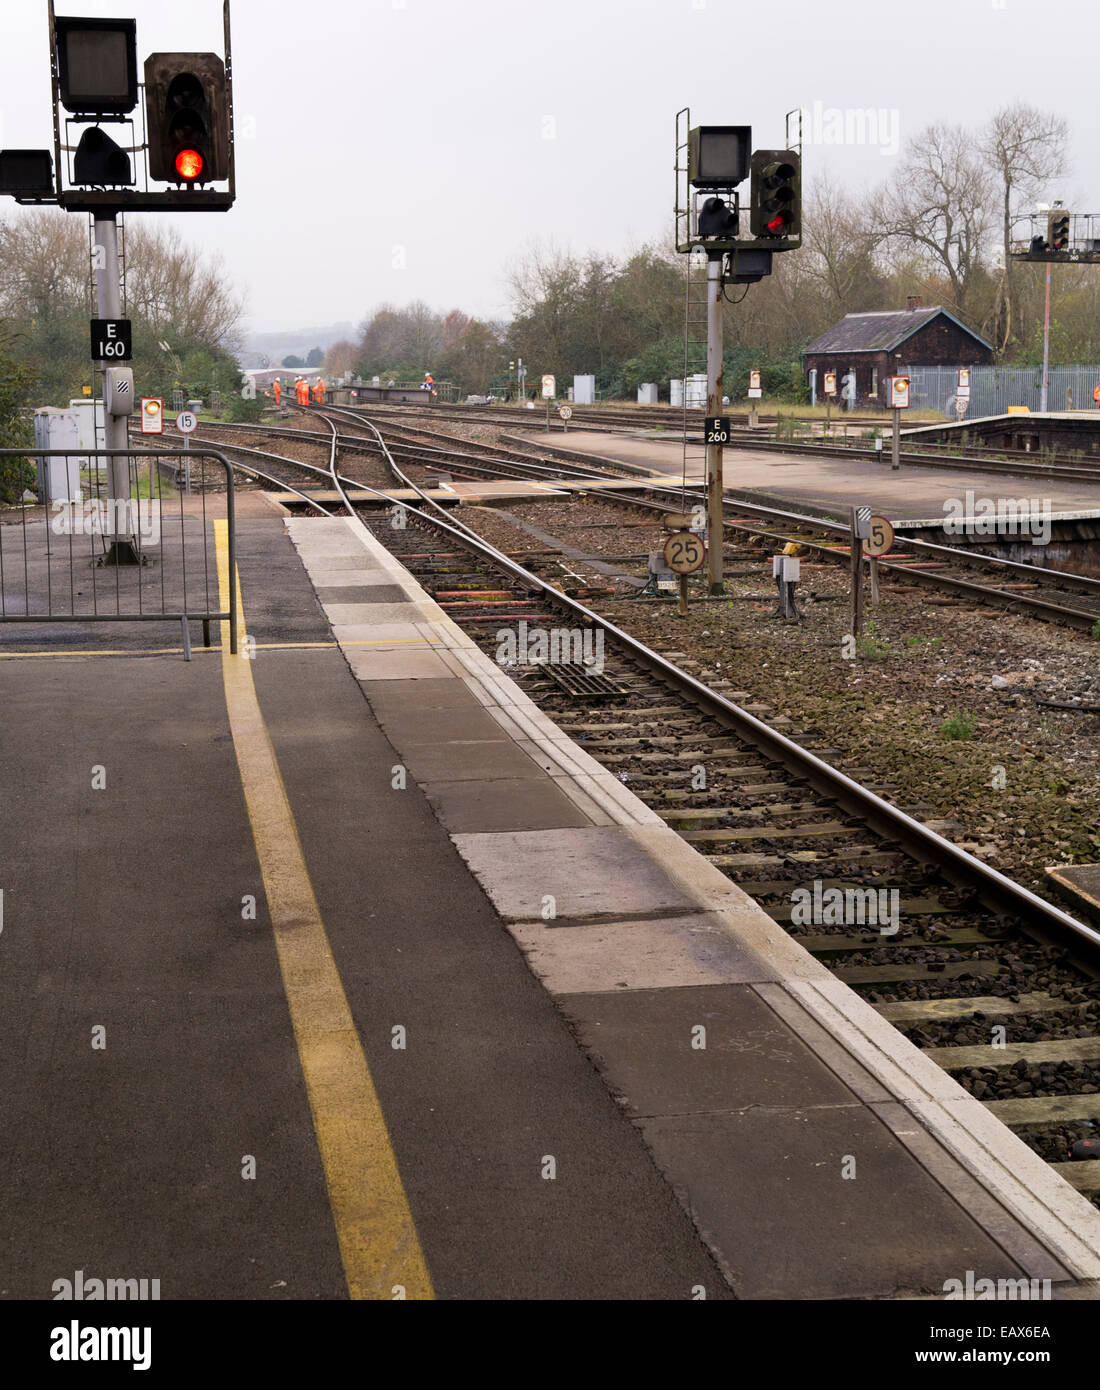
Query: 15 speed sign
x=880 y=541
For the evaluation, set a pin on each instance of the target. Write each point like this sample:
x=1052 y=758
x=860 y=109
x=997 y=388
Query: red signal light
x=777 y=223
x=189 y=165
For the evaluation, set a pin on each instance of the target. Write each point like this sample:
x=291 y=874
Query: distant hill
x=282 y=343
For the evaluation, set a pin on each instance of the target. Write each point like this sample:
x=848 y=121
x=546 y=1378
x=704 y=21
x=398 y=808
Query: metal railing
x=59 y=555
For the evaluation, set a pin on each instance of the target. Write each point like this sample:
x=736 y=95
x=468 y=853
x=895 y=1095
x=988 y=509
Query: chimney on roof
x=913 y=301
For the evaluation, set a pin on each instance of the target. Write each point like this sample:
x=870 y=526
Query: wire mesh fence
x=76 y=553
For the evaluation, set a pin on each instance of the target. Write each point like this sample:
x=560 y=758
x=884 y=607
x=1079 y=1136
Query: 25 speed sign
x=685 y=552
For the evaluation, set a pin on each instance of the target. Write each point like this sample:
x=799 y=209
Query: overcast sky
x=410 y=149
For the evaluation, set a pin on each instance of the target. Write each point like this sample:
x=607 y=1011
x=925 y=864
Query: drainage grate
x=582 y=682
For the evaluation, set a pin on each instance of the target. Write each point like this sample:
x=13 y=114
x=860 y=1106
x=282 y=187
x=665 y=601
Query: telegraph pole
x=715 y=381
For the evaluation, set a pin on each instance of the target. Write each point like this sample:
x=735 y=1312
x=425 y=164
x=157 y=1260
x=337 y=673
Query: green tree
x=16 y=382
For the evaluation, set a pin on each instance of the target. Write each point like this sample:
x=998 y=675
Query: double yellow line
x=379 y=1245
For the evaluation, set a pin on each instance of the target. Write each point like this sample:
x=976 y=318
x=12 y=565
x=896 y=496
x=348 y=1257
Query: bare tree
x=938 y=204
x=838 y=249
x=44 y=265
x=1023 y=148
x=178 y=292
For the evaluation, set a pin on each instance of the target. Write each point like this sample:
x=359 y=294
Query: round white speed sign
x=187 y=421
x=566 y=412
x=881 y=539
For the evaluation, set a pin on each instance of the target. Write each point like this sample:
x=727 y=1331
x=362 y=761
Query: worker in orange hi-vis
x=303 y=392
x=320 y=390
x=277 y=388
x=1096 y=395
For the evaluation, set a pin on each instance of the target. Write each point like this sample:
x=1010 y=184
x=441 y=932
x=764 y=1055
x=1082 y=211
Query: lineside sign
x=112 y=340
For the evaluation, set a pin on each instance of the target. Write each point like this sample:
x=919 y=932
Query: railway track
x=1010 y=586
x=999 y=986
x=1015 y=462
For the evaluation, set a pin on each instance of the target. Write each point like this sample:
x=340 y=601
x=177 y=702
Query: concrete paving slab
x=361 y=593
x=382 y=635
x=367 y=614
x=410 y=727
x=837 y=1238
x=1009 y=1233
x=669 y=952
x=485 y=760
x=505 y=804
x=643 y=1039
x=448 y=693
x=360 y=563
x=602 y=870
x=403 y=664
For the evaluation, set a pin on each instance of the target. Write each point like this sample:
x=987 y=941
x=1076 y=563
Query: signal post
x=189 y=127
x=711 y=161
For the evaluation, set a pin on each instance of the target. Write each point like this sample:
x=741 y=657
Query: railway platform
x=335 y=969
x=830 y=482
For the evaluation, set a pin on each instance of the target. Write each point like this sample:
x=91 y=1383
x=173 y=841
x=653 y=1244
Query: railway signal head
x=97 y=66
x=716 y=219
x=188 y=118
x=776 y=197
x=100 y=162
x=718 y=155
x=26 y=173
x=1058 y=230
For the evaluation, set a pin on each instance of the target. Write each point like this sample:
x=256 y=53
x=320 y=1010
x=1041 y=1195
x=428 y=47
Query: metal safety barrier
x=78 y=554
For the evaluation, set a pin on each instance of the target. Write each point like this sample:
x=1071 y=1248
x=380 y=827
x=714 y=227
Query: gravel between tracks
x=1015 y=783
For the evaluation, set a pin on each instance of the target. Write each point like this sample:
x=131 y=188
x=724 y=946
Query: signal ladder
x=695 y=345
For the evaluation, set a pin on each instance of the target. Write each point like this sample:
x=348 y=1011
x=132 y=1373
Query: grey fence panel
x=994 y=389
x=57 y=556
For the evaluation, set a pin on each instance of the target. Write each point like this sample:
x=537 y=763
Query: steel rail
x=1081 y=619
x=999 y=892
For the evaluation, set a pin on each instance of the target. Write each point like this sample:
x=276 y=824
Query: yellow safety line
x=378 y=1240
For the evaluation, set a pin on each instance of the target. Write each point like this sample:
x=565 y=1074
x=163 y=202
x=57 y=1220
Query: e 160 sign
x=112 y=340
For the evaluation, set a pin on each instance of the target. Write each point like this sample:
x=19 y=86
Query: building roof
x=881 y=332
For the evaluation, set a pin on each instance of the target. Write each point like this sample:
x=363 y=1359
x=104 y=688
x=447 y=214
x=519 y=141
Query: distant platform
x=1065 y=431
x=830 y=483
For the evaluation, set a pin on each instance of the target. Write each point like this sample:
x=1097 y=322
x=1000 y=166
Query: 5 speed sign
x=880 y=541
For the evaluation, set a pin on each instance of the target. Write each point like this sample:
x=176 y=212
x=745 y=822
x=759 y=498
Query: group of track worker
x=304 y=393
